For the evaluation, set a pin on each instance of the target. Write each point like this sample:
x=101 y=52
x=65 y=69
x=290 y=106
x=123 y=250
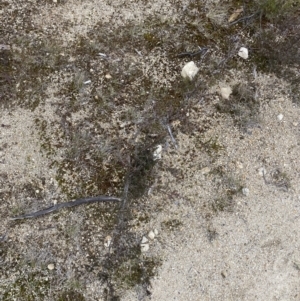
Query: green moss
x=106 y=216
x=151 y=40
x=274 y=9
x=134 y=272
x=7 y=83
x=281 y=179
x=213 y=146
x=30 y=287
x=71 y=295
x=222 y=204
x=38 y=59
x=212 y=234
x=171 y=224
x=242 y=106
x=229 y=187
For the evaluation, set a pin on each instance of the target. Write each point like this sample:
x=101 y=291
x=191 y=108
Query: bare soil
x=88 y=90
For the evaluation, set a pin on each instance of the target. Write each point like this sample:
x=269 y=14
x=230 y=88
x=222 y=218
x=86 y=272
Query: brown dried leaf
x=235 y=14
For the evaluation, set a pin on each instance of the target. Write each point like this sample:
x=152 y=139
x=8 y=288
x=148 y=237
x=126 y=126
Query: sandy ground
x=228 y=224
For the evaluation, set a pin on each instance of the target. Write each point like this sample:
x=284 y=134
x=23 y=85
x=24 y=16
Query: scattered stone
x=145 y=247
x=279 y=117
x=243 y=53
x=157 y=153
x=156 y=232
x=144 y=240
x=205 y=170
x=108 y=76
x=87 y=82
x=189 y=70
x=225 y=92
x=125 y=123
x=151 y=235
x=245 y=191
x=144 y=244
x=107 y=241
x=239 y=165
x=50 y=266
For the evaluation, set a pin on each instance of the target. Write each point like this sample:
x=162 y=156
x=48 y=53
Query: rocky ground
x=93 y=103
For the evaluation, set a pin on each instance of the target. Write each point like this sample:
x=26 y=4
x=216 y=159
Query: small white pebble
x=145 y=247
x=205 y=170
x=108 y=76
x=279 y=117
x=189 y=70
x=87 y=82
x=157 y=153
x=245 y=191
x=107 y=241
x=156 y=232
x=144 y=240
x=225 y=92
x=50 y=266
x=243 y=53
x=239 y=165
x=151 y=235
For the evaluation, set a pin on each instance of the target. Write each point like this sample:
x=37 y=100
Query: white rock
x=155 y=231
x=50 y=266
x=245 y=191
x=279 y=117
x=189 y=70
x=225 y=92
x=157 y=153
x=144 y=247
x=239 y=165
x=205 y=170
x=243 y=53
x=144 y=240
x=107 y=241
x=151 y=235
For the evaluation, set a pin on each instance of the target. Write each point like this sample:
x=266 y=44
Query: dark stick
x=77 y=202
